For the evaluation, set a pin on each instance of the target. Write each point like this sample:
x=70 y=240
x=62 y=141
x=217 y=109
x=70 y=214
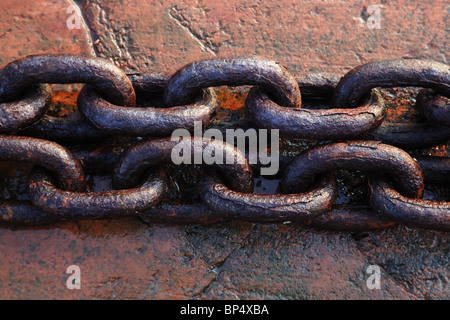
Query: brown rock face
x=331 y=35
x=40 y=26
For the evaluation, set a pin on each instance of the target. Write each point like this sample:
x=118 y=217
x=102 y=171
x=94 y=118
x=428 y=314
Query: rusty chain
x=112 y=103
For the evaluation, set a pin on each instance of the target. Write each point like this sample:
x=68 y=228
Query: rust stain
x=63 y=102
x=231 y=99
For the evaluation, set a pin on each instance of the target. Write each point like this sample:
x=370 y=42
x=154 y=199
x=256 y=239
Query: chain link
x=154 y=105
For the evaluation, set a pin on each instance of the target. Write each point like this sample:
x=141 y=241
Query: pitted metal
x=107 y=107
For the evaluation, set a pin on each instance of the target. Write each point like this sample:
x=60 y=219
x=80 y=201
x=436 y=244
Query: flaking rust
x=187 y=81
x=149 y=121
x=107 y=106
x=151 y=154
x=108 y=79
x=391 y=73
x=316 y=124
x=419 y=213
x=31 y=107
x=95 y=205
x=48 y=154
x=370 y=156
x=267 y=207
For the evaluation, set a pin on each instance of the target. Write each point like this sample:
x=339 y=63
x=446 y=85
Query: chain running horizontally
x=354 y=134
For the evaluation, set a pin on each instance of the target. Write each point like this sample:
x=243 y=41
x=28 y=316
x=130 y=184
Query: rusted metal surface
x=435 y=107
x=105 y=77
x=23 y=213
x=355 y=155
x=410 y=134
x=191 y=82
x=70 y=128
x=98 y=159
x=186 y=82
x=50 y=155
x=95 y=205
x=126 y=259
x=146 y=121
x=316 y=124
x=384 y=198
x=136 y=160
x=391 y=73
x=148 y=83
x=317 y=85
x=435 y=169
x=176 y=212
x=26 y=110
x=267 y=207
x=408 y=211
x=354 y=218
x=190 y=85
x=342 y=218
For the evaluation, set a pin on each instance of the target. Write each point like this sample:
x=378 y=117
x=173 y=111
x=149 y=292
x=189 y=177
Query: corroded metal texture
x=435 y=169
x=355 y=218
x=95 y=205
x=29 y=108
x=317 y=85
x=316 y=124
x=410 y=134
x=136 y=160
x=274 y=102
x=70 y=128
x=126 y=259
x=186 y=82
x=413 y=212
x=50 y=155
x=435 y=107
x=342 y=218
x=176 y=212
x=391 y=73
x=23 y=213
x=355 y=155
x=98 y=159
x=147 y=121
x=105 y=77
x=267 y=207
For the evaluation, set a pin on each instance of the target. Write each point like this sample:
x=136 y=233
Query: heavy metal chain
x=353 y=135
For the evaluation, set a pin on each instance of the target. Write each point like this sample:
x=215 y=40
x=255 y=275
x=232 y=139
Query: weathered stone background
x=126 y=259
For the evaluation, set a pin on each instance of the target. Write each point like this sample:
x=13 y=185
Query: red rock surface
x=312 y=35
x=125 y=259
x=39 y=26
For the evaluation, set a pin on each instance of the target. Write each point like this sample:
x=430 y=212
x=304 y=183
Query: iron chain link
x=353 y=133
